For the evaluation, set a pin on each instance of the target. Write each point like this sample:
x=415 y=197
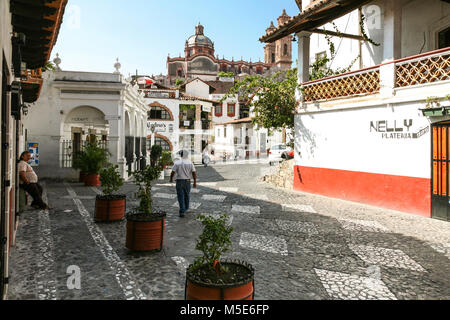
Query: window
x=180 y=73
x=231 y=110
x=285 y=50
x=158 y=113
x=159 y=142
x=218 y=111
x=273 y=57
x=258 y=71
x=224 y=132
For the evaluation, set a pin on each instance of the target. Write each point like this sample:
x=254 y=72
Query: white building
x=78 y=106
x=178 y=120
x=363 y=135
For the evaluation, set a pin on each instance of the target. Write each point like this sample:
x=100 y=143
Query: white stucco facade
x=76 y=104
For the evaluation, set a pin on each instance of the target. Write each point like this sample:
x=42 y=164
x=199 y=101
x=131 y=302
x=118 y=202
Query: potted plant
x=210 y=278
x=109 y=206
x=145 y=224
x=79 y=162
x=166 y=162
x=94 y=159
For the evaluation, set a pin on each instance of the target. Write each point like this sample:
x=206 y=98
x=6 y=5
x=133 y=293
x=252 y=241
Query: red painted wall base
x=400 y=193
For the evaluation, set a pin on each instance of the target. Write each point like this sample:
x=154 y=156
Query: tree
x=272 y=98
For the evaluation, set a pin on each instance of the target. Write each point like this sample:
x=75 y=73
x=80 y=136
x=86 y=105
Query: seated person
x=29 y=182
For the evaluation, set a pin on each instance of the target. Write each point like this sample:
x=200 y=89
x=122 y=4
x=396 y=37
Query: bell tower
x=269 y=49
x=283 y=47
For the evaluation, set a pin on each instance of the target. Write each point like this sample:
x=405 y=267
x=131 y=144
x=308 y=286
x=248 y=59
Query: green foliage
x=272 y=98
x=79 y=161
x=110 y=179
x=214 y=241
x=91 y=159
x=435 y=102
x=363 y=31
x=155 y=154
x=166 y=158
x=49 y=66
x=143 y=180
x=185 y=107
x=179 y=82
x=225 y=74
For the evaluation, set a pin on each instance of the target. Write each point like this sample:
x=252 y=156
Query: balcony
x=413 y=72
x=31 y=85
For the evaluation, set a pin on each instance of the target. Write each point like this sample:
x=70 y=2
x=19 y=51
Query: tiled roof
x=318 y=13
x=221 y=87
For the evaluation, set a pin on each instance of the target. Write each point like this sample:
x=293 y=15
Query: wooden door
x=440 y=171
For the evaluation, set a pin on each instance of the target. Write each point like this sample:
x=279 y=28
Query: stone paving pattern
x=302 y=246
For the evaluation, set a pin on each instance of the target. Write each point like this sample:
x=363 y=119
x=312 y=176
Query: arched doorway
x=440 y=197
x=82 y=125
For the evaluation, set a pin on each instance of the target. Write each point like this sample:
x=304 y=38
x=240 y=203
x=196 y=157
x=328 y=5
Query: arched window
x=285 y=49
x=158 y=113
x=273 y=57
x=159 y=142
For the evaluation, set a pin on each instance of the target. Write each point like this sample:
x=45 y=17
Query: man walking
x=185 y=171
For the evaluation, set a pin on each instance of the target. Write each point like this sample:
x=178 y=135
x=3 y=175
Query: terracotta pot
x=199 y=290
x=82 y=176
x=107 y=210
x=145 y=234
x=92 y=180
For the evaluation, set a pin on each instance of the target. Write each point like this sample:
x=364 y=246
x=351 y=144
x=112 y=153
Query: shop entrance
x=440 y=198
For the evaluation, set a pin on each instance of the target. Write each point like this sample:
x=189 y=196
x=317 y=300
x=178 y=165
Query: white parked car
x=280 y=152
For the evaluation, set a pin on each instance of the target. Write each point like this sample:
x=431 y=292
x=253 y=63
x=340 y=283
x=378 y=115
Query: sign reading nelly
x=397 y=129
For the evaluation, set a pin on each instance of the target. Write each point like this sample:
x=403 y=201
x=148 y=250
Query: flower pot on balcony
x=92 y=180
x=145 y=232
x=109 y=208
x=206 y=284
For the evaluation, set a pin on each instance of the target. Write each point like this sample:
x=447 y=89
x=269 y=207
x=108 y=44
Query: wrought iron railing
x=69 y=151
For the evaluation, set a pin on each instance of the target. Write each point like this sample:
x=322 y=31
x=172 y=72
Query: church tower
x=269 y=49
x=283 y=47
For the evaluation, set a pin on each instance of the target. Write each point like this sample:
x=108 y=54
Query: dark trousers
x=183 y=191
x=35 y=190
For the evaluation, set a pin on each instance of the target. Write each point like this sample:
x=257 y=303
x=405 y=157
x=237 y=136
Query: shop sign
x=206 y=108
x=158 y=127
x=397 y=129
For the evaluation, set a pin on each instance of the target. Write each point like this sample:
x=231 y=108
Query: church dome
x=199 y=39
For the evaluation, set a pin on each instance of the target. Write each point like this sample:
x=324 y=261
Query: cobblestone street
x=302 y=246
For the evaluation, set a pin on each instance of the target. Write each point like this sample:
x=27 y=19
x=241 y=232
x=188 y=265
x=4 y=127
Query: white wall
x=346 y=140
x=174 y=106
x=197 y=88
x=421 y=20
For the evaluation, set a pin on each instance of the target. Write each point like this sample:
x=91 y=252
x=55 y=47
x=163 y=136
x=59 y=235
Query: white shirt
x=29 y=172
x=183 y=169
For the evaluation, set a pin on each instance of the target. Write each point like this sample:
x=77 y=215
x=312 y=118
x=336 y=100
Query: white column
x=114 y=144
x=392 y=40
x=304 y=39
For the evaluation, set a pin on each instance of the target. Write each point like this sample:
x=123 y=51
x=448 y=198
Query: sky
x=142 y=33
